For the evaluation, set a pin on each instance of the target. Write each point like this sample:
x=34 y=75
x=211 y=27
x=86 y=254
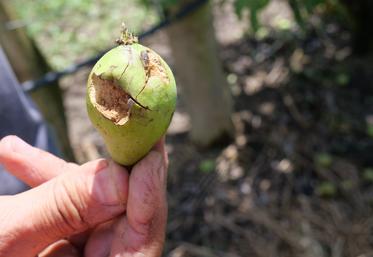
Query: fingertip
x=152 y=161
x=95 y=165
x=160 y=145
x=8 y=143
x=9 y=138
x=30 y=164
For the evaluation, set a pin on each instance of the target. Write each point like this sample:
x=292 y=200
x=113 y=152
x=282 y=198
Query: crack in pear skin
x=152 y=67
x=124 y=71
x=114 y=103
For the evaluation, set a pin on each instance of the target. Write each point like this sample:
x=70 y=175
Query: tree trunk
x=28 y=63
x=199 y=73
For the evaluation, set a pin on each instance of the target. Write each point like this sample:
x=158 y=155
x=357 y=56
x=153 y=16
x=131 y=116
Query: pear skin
x=131 y=97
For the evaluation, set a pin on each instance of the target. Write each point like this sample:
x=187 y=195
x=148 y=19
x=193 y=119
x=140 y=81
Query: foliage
x=161 y=5
x=370 y=130
x=69 y=30
x=368 y=175
x=207 y=165
x=254 y=7
x=302 y=9
x=323 y=160
x=326 y=189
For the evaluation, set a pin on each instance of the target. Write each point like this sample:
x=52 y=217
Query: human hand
x=79 y=210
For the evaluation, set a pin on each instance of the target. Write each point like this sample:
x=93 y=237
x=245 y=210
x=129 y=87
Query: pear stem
x=126 y=37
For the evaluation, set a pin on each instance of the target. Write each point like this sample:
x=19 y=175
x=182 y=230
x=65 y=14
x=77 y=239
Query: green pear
x=131 y=97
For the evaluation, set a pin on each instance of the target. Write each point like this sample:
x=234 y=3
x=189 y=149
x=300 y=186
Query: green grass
x=67 y=31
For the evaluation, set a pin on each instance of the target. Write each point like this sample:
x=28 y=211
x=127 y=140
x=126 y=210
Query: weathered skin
x=149 y=118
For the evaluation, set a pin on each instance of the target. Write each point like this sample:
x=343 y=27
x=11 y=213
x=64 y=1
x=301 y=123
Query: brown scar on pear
x=111 y=100
x=152 y=67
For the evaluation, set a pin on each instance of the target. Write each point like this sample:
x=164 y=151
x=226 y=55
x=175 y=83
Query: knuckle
x=69 y=207
x=67 y=167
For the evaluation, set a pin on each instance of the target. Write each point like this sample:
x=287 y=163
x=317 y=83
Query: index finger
x=30 y=164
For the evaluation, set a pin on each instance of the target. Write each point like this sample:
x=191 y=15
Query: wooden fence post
x=199 y=71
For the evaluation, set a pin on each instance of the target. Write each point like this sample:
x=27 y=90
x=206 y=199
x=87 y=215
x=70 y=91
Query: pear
x=131 y=97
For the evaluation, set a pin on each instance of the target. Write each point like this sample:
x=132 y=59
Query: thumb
x=66 y=205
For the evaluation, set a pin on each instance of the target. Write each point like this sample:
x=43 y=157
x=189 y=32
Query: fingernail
x=109 y=186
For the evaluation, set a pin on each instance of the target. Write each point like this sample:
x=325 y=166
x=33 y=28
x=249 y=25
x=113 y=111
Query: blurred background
x=271 y=146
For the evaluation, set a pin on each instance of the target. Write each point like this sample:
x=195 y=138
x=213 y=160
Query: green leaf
x=310 y=5
x=207 y=166
x=323 y=160
x=370 y=130
x=326 y=189
x=255 y=6
x=262 y=33
x=254 y=20
x=146 y=3
x=368 y=175
x=169 y=3
x=296 y=8
x=284 y=24
x=239 y=6
x=232 y=78
x=347 y=184
x=343 y=79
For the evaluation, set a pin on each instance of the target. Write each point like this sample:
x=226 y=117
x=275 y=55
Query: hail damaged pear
x=131 y=97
